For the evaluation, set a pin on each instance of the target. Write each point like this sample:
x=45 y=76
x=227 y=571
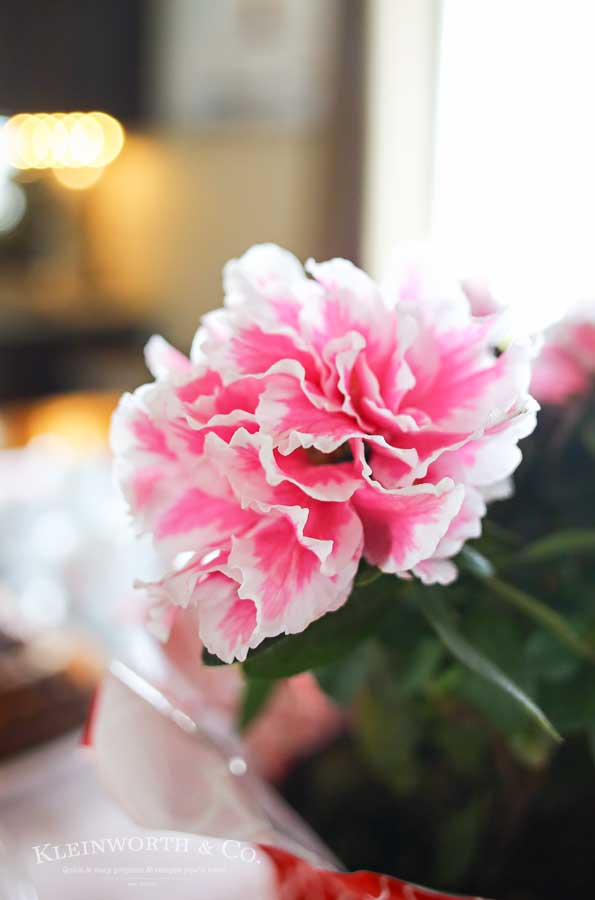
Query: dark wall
x=65 y=55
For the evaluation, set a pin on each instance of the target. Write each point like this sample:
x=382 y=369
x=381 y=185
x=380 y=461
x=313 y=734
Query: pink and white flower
x=566 y=364
x=321 y=419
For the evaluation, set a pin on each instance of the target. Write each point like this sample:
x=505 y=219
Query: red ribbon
x=298 y=880
x=86 y=739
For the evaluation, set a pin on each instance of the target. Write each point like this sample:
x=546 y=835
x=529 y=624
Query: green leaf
x=502 y=639
x=388 y=740
x=558 y=544
x=494 y=705
x=420 y=666
x=331 y=637
x=548 y=659
x=547 y=617
x=402 y=628
x=442 y=620
x=256 y=693
x=571 y=704
x=341 y=680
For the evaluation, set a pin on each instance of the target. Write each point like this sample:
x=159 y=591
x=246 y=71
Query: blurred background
x=143 y=143
x=192 y=130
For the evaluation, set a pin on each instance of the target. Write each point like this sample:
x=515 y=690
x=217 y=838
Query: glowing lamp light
x=78 y=178
x=79 y=421
x=80 y=144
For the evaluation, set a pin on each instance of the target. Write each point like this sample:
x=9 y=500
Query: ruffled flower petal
x=401 y=529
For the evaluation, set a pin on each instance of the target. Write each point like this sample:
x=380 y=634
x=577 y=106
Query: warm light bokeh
x=78 y=178
x=80 y=421
x=62 y=140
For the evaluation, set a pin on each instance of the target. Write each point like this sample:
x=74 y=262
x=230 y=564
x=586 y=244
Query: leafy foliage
x=442 y=620
x=430 y=682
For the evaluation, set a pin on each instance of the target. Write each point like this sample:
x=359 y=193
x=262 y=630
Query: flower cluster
x=566 y=364
x=321 y=419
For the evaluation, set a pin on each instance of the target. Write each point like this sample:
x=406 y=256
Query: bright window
x=514 y=188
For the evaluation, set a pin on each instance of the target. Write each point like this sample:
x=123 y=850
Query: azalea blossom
x=320 y=419
x=566 y=364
